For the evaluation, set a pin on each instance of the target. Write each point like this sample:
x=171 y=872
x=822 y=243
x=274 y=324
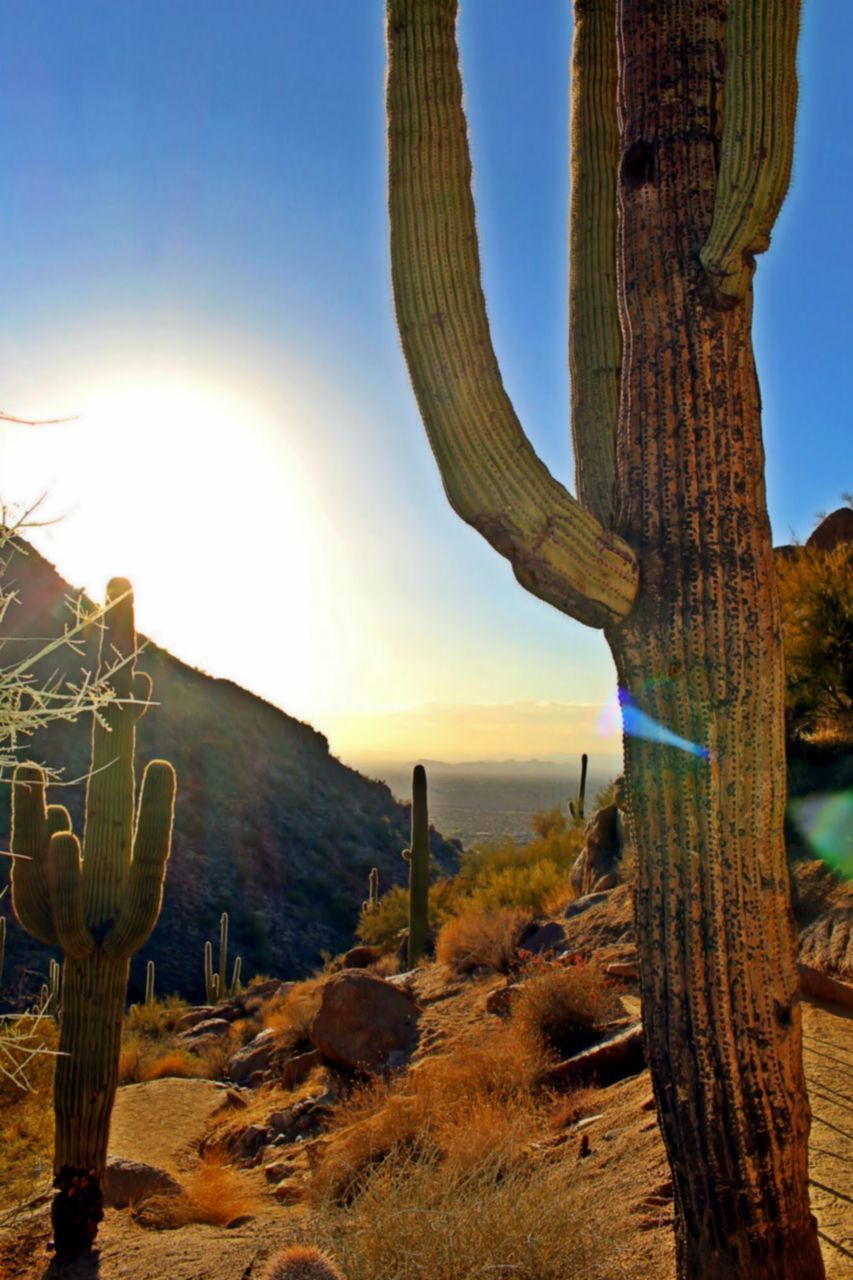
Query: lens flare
x=637 y=723
x=826 y=823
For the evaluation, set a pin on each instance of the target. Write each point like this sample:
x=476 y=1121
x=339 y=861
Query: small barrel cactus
x=301 y=1262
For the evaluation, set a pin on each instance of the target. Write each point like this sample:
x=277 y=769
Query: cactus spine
x=99 y=905
x=149 y=982
x=682 y=129
x=216 y=981
x=418 y=859
x=577 y=810
x=372 y=901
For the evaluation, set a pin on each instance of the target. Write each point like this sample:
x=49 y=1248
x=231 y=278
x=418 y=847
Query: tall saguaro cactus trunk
x=99 y=908
x=682 y=130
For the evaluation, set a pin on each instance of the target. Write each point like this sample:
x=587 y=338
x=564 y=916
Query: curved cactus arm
x=143 y=889
x=493 y=478
x=760 y=103
x=65 y=879
x=58 y=819
x=595 y=337
x=29 y=842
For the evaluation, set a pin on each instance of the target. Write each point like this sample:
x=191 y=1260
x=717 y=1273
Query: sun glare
x=201 y=498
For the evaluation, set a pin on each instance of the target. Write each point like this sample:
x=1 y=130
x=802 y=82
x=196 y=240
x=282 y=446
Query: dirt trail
x=162 y=1121
x=828 y=1056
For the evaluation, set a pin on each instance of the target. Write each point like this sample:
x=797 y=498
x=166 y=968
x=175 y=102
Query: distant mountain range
x=268 y=825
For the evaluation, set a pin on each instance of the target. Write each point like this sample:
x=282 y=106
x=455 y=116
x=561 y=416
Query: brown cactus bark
x=701 y=654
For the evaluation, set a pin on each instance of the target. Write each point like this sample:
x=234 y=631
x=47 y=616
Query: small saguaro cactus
x=149 y=982
x=301 y=1262
x=577 y=810
x=50 y=992
x=372 y=900
x=418 y=859
x=99 y=905
x=216 y=982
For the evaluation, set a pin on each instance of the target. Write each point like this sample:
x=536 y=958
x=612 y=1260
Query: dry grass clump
x=293 y=1013
x=477 y=1098
x=214 y=1193
x=27 y=1062
x=416 y=1218
x=481 y=940
x=159 y=1018
x=143 y=1059
x=562 y=1005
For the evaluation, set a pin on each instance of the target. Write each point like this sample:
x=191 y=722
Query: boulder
x=539 y=938
x=820 y=986
x=252 y=1059
x=294 y=1071
x=126 y=1182
x=601 y=855
x=583 y=904
x=193 y=1017
x=362 y=1020
x=205 y=1029
x=621 y=1053
x=359 y=957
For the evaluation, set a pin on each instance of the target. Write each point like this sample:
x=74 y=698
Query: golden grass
x=417 y=1218
x=481 y=940
x=26 y=1110
x=142 y=1059
x=293 y=1012
x=213 y=1193
x=475 y=1098
x=561 y=1006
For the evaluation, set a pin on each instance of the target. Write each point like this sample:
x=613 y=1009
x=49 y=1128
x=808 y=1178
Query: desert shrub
x=816 y=594
x=145 y=1059
x=293 y=1013
x=563 y=1002
x=481 y=939
x=381 y=927
x=27 y=1061
x=213 y=1193
x=480 y=1096
x=415 y=1218
x=157 y=1018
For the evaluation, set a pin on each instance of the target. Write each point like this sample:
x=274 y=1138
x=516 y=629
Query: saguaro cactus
x=216 y=982
x=576 y=810
x=682 y=132
x=99 y=908
x=372 y=900
x=418 y=859
x=2 y=946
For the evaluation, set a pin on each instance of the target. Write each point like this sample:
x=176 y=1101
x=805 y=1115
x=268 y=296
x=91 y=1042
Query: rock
x=583 y=904
x=359 y=957
x=626 y=969
x=287 y=1193
x=207 y=1028
x=609 y=881
x=126 y=1182
x=361 y=1020
x=621 y=1054
x=252 y=1058
x=229 y=1010
x=280 y=1121
x=297 y=1070
x=822 y=987
x=259 y=995
x=193 y=1017
x=251 y=1141
x=499 y=1001
x=539 y=938
x=601 y=855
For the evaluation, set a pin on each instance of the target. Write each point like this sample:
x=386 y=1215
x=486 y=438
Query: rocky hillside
x=268 y=826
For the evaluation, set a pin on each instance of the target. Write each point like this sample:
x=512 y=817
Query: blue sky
x=195 y=259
